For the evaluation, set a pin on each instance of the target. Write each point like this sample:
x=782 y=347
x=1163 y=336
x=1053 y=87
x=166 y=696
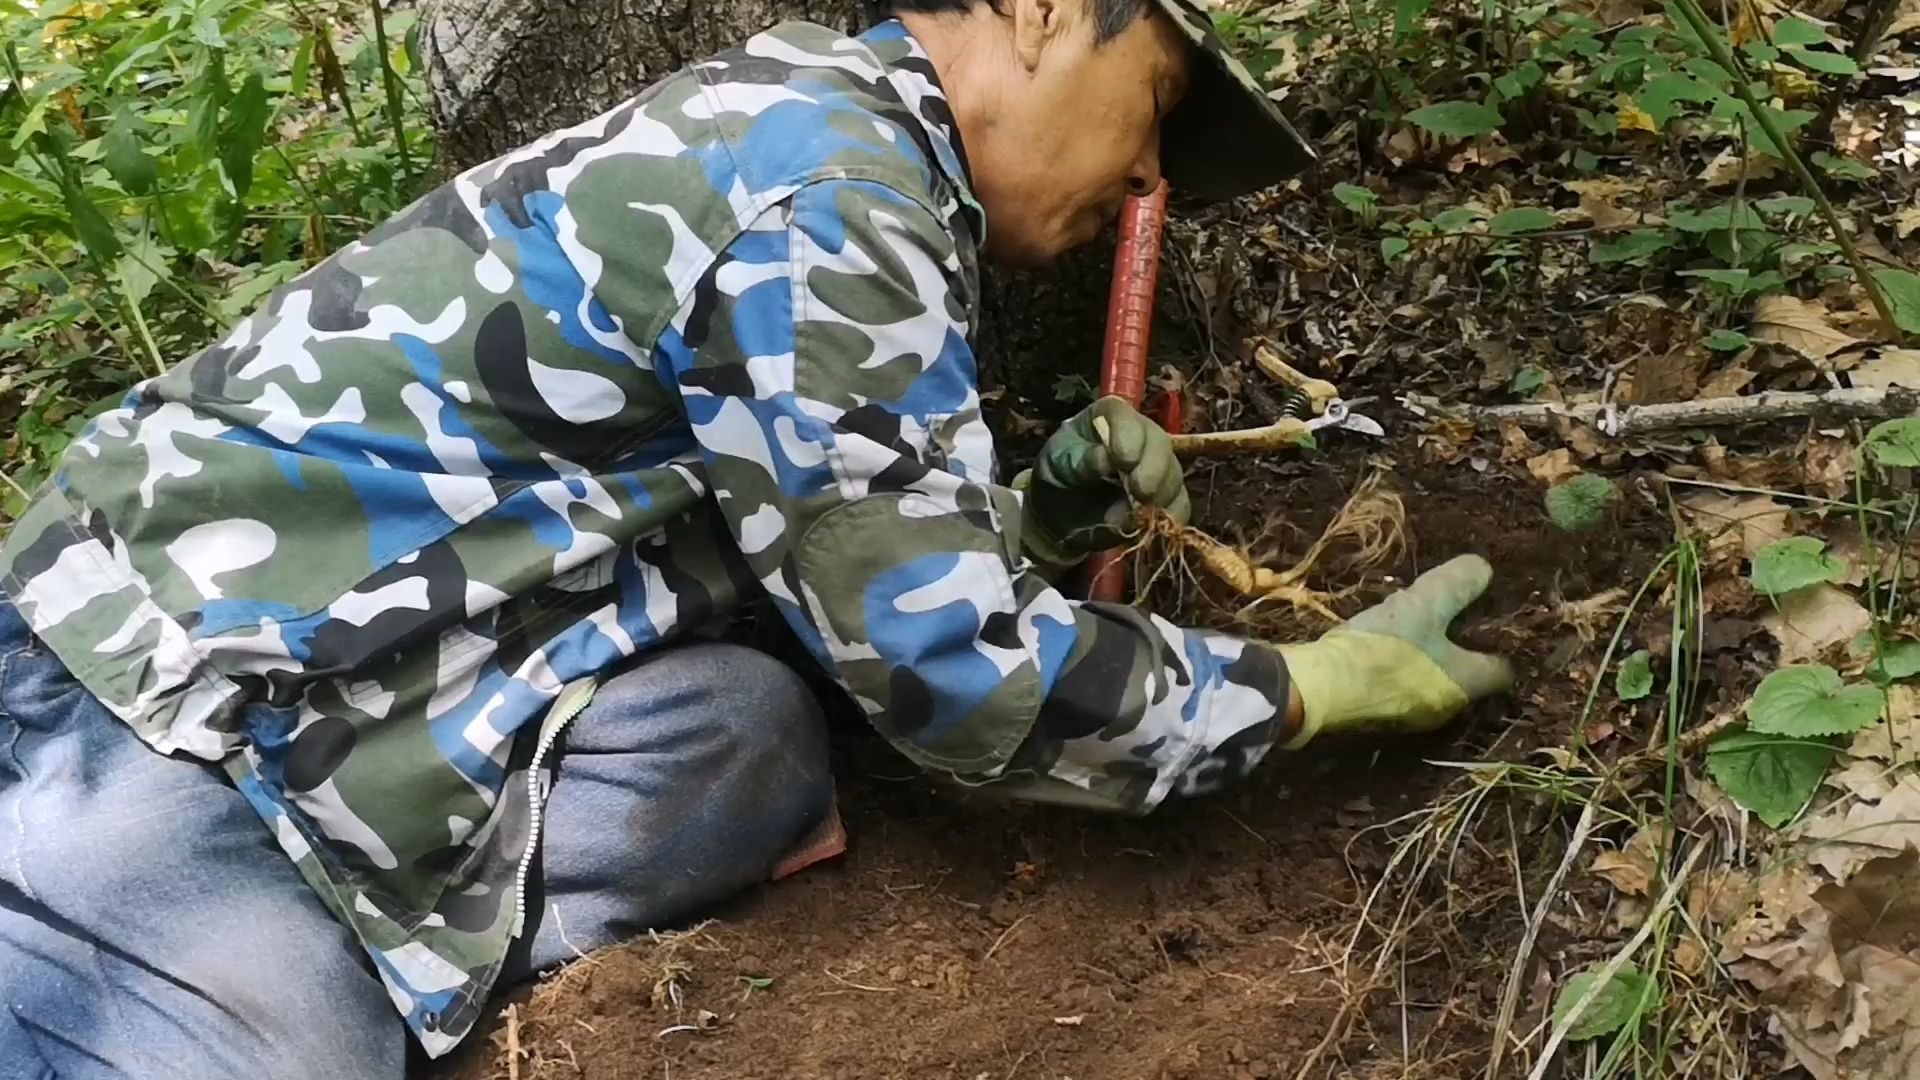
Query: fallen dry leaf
x=1632 y=116
x=1896 y=741
x=1868 y=829
x=1800 y=325
x=1740 y=524
x=1483 y=153
x=1729 y=168
x=1515 y=445
x=1553 y=466
x=1631 y=868
x=1829 y=466
x=1597 y=202
x=1893 y=367
x=1906 y=222
x=1727 y=383
x=1810 y=622
x=1667 y=377
x=1877 y=906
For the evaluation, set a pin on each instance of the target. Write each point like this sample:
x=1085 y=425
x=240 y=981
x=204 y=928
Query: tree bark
x=505 y=72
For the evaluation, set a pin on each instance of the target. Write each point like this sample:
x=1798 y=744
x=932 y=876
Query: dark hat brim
x=1226 y=138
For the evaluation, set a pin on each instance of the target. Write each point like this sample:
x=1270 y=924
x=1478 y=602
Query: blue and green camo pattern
x=709 y=347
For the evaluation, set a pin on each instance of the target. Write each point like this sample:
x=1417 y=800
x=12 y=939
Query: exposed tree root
x=1373 y=523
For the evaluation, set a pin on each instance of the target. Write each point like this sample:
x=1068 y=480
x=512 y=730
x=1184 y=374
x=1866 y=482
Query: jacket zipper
x=572 y=700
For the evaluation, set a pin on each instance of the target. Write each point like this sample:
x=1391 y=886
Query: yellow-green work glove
x=1392 y=667
x=1092 y=472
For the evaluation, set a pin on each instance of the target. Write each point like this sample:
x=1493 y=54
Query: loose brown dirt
x=979 y=941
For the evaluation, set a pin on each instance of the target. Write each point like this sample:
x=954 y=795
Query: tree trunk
x=505 y=72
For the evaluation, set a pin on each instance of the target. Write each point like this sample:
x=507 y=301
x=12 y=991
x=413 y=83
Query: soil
x=1207 y=940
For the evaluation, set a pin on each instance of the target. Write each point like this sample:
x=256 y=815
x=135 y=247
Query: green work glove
x=1391 y=667
x=1081 y=493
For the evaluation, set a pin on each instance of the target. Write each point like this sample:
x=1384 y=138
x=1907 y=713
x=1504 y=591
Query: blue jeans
x=151 y=928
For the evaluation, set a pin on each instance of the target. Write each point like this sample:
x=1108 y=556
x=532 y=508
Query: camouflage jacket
x=708 y=348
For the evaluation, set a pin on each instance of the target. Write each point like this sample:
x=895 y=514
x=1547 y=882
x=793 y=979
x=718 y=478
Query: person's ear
x=1036 y=25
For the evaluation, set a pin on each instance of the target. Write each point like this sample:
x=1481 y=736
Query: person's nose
x=1144 y=177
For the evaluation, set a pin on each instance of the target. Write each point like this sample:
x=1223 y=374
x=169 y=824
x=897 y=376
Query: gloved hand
x=1081 y=493
x=1391 y=667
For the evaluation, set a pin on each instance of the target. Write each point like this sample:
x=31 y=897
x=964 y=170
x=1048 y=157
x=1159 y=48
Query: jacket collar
x=912 y=74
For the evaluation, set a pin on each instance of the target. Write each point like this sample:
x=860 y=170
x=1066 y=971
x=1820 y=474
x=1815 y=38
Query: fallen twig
x=1854 y=403
x=1510 y=997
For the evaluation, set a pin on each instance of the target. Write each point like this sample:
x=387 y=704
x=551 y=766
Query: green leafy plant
x=1769 y=775
x=165 y=163
x=1795 y=563
x=1810 y=700
x=1895 y=443
x=1627 y=994
x=1581 y=503
x=1634 y=680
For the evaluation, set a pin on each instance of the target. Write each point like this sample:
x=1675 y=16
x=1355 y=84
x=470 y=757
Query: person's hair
x=1110 y=17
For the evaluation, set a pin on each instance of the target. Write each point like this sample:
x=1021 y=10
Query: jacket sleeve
x=824 y=368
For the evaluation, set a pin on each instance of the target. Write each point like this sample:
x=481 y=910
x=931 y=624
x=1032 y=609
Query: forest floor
x=1211 y=939
x=1441 y=906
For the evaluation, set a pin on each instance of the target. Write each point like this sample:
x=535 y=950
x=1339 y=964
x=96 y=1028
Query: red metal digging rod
x=1123 y=361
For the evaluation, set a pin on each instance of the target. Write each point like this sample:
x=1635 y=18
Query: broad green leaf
x=1728 y=341
x=1629 y=993
x=1455 y=219
x=1791 y=205
x=1798 y=251
x=1457 y=119
x=1810 y=700
x=1792 y=31
x=302 y=68
x=129 y=165
x=1392 y=247
x=1795 y=563
x=1634 y=680
x=203 y=114
x=1520 y=219
x=1407 y=15
x=143 y=266
x=1636 y=246
x=1661 y=96
x=1897 y=660
x=1585 y=160
x=1709 y=72
x=1760 y=52
x=1902 y=288
x=206 y=31
x=90 y=225
x=1787 y=120
x=1528 y=380
x=1895 y=443
x=1846 y=168
x=1739 y=283
x=1828 y=63
x=1773 y=777
x=242 y=133
x=1581 y=503
x=1354 y=197
x=34 y=124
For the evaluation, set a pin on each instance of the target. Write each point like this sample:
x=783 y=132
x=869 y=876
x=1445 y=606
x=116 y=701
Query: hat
x=1226 y=137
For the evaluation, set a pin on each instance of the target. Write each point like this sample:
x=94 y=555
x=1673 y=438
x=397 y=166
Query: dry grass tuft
x=534 y=1042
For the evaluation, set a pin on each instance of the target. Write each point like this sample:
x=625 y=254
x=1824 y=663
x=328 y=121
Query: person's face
x=1075 y=127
